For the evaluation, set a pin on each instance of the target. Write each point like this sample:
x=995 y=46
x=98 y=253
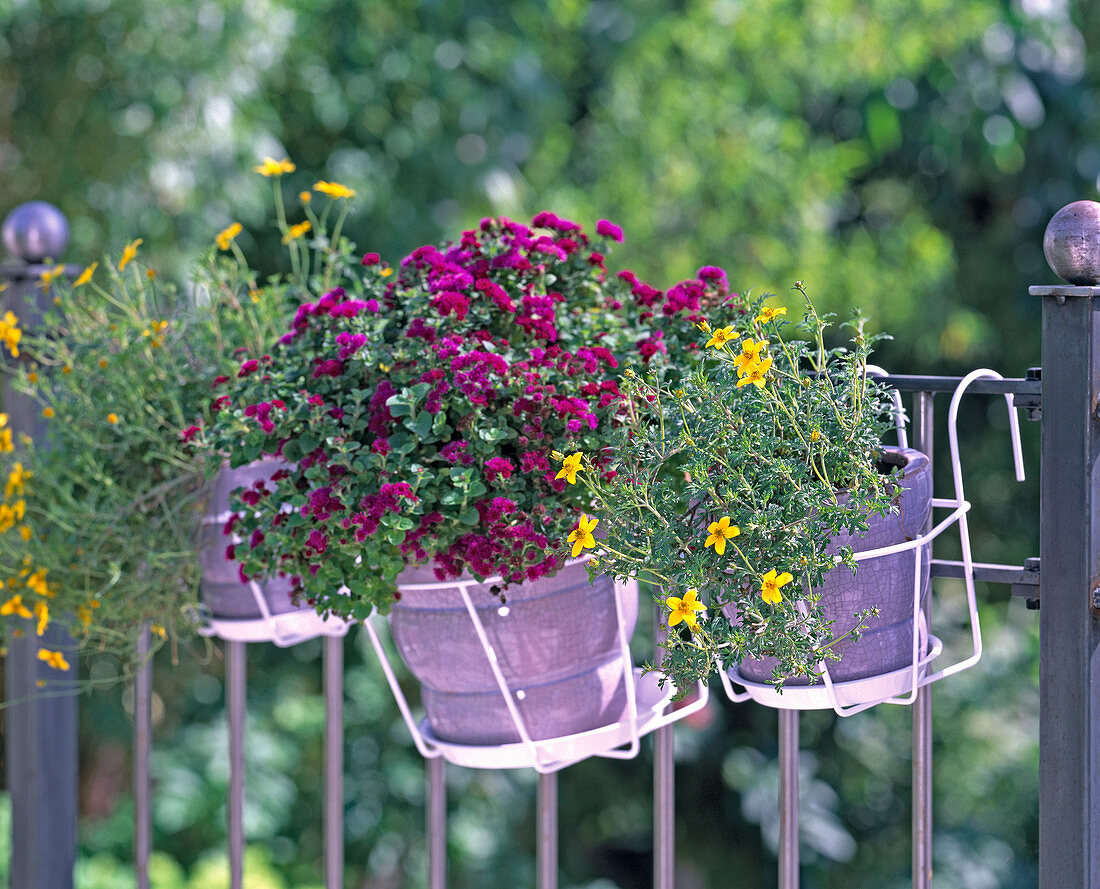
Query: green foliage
x=773 y=447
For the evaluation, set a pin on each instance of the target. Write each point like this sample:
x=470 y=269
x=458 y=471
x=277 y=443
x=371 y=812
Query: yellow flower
x=581 y=536
x=102 y=363
x=770 y=584
x=296 y=231
x=158 y=630
x=225 y=237
x=334 y=189
x=86 y=275
x=305 y=197
x=703 y=326
x=721 y=336
x=15 y=605
x=47 y=412
x=67 y=369
x=815 y=435
x=112 y=419
x=25 y=532
x=9 y=515
x=271 y=167
x=385 y=273
x=42 y=613
x=755 y=374
x=150 y=274
x=10 y=333
x=54 y=659
x=768 y=314
x=720 y=532
x=36 y=583
x=254 y=295
x=684 y=609
x=5 y=441
x=47 y=277
x=750 y=355
x=570 y=468
x=129 y=252
x=16 y=479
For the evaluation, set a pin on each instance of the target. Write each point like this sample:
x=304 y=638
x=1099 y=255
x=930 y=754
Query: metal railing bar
x=143 y=746
x=788 y=799
x=333 y=669
x=435 y=806
x=922 y=707
x=664 y=792
x=1025 y=576
x=1021 y=387
x=235 y=663
x=546 y=852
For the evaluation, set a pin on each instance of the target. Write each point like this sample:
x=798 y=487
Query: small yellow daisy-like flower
x=150 y=274
x=703 y=326
x=47 y=277
x=32 y=377
x=17 y=478
x=305 y=197
x=385 y=273
x=721 y=336
x=47 y=412
x=755 y=374
x=67 y=369
x=102 y=363
x=42 y=613
x=254 y=295
x=225 y=237
x=750 y=355
x=10 y=514
x=769 y=314
x=158 y=630
x=271 y=167
x=36 y=583
x=85 y=276
x=570 y=468
x=112 y=419
x=296 y=231
x=10 y=334
x=53 y=659
x=334 y=189
x=719 y=533
x=770 y=584
x=25 y=532
x=685 y=609
x=15 y=605
x=129 y=252
x=581 y=537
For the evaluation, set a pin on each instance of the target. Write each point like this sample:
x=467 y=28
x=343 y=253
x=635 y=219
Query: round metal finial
x=35 y=231
x=1071 y=243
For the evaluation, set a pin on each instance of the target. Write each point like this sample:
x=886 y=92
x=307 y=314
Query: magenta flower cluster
x=419 y=408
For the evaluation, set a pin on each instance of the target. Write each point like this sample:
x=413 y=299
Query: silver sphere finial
x=1071 y=243
x=35 y=231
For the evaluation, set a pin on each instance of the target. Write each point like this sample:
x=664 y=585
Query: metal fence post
x=41 y=722
x=1069 y=552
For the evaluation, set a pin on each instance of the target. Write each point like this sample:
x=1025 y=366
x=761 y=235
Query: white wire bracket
x=899 y=686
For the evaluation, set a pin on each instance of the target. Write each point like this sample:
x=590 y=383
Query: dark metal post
x=546 y=825
x=41 y=723
x=143 y=747
x=922 y=707
x=235 y=707
x=788 y=799
x=1069 y=551
x=334 y=761
x=436 y=816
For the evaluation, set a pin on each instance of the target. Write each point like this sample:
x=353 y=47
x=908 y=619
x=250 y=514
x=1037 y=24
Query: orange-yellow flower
x=750 y=355
x=10 y=514
x=581 y=536
x=129 y=252
x=15 y=605
x=53 y=659
x=755 y=374
x=768 y=314
x=47 y=412
x=569 y=468
x=112 y=419
x=305 y=197
x=272 y=167
x=42 y=613
x=721 y=336
x=225 y=237
x=770 y=584
x=720 y=532
x=36 y=583
x=86 y=275
x=334 y=189
x=48 y=276
x=684 y=609
x=16 y=479
x=296 y=231
x=10 y=334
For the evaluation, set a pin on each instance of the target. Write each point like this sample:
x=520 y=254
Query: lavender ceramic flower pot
x=556 y=639
x=223 y=592
x=885 y=582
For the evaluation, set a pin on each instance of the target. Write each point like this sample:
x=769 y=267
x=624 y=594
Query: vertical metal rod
x=235 y=707
x=436 y=806
x=788 y=799
x=546 y=857
x=922 y=707
x=143 y=747
x=664 y=793
x=1069 y=594
x=334 y=761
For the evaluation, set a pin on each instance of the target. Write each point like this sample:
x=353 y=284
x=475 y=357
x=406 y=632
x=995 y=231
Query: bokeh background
x=902 y=156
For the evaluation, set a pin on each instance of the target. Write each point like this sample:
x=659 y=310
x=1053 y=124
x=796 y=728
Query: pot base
x=648 y=696
x=284 y=630
x=871 y=689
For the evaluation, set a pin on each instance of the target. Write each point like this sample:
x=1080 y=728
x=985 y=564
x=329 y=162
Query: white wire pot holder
x=259 y=610
x=541 y=724
x=898 y=686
